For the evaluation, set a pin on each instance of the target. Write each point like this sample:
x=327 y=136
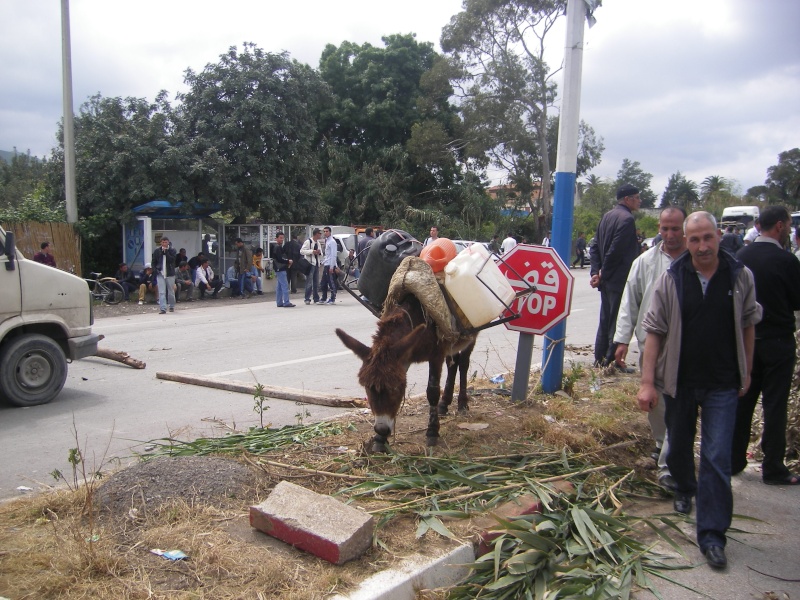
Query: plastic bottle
x=384 y=256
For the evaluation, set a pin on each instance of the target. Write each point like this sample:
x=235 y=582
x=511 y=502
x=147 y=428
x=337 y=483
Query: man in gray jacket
x=699 y=352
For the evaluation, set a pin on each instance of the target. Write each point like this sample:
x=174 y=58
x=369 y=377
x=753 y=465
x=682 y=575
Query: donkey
x=404 y=337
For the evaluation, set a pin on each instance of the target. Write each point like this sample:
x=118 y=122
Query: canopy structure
x=164 y=209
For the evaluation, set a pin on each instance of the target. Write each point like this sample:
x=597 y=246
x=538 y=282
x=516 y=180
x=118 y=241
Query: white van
x=45 y=318
x=739 y=215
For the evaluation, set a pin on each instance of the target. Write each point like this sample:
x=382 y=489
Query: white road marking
x=281 y=364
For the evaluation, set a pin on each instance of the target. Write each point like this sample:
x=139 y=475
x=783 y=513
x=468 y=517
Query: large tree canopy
x=506 y=86
x=632 y=172
x=249 y=126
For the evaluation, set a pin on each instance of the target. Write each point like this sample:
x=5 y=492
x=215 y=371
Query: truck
x=46 y=319
x=739 y=216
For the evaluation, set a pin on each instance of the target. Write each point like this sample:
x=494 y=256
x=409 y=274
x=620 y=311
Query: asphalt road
x=110 y=410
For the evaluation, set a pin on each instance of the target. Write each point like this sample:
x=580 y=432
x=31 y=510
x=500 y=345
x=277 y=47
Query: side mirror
x=11 y=251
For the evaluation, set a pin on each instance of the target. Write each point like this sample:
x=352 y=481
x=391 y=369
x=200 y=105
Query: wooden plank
x=281 y=393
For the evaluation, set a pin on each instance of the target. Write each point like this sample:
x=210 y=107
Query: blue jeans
x=713 y=483
x=166 y=289
x=311 y=284
x=282 y=289
x=328 y=283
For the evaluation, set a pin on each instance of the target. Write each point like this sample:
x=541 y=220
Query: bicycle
x=106 y=290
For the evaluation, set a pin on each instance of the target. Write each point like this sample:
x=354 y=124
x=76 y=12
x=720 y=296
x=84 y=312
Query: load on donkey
x=419 y=322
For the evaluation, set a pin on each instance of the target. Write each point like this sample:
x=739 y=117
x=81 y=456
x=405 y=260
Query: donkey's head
x=383 y=374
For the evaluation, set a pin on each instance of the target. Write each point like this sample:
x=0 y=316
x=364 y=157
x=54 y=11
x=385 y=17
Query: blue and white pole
x=566 y=167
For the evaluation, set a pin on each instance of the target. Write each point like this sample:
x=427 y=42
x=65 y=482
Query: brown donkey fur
x=404 y=337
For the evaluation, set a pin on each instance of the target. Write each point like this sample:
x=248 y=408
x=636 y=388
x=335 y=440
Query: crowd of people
x=714 y=318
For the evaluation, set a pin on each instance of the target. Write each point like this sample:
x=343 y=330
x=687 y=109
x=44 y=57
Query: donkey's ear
x=359 y=349
x=406 y=345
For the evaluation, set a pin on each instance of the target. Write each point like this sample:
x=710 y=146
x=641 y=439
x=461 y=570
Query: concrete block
x=320 y=525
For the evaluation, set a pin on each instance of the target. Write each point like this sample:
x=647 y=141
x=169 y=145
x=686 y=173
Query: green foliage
x=632 y=172
x=681 y=192
x=21 y=178
x=247 y=133
x=34 y=207
x=647 y=224
x=783 y=179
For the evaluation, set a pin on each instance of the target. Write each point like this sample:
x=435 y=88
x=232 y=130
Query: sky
x=704 y=87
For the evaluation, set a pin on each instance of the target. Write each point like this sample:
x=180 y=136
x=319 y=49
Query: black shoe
x=667 y=483
x=621 y=369
x=715 y=555
x=682 y=504
x=290 y=305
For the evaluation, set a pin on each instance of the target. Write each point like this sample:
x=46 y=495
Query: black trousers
x=604 y=346
x=773 y=368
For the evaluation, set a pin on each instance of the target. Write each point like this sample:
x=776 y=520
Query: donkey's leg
x=433 y=391
x=450 y=384
x=463 y=367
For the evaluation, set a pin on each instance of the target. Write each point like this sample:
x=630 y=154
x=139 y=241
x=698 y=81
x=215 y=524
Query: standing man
x=494 y=245
x=44 y=256
x=329 y=267
x=311 y=251
x=546 y=240
x=243 y=262
x=363 y=247
x=580 y=250
x=433 y=237
x=645 y=271
x=508 y=243
x=611 y=256
x=777 y=276
x=753 y=232
x=164 y=266
x=282 y=262
x=699 y=352
x=293 y=252
x=731 y=241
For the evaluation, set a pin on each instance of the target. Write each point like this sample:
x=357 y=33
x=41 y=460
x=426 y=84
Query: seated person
x=205 y=280
x=194 y=263
x=232 y=282
x=183 y=281
x=127 y=280
x=258 y=270
x=180 y=257
x=147 y=283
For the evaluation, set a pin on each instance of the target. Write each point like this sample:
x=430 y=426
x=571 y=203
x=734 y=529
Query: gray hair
x=700 y=214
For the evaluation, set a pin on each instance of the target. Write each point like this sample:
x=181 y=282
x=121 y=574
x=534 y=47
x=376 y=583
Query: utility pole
x=566 y=167
x=69 y=127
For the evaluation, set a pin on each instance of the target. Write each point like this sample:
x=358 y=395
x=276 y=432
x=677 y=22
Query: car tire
x=33 y=369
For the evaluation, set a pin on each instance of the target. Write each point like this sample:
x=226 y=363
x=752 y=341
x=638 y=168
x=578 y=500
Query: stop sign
x=551 y=302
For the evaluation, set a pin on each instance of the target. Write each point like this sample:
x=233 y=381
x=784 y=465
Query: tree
x=388 y=140
x=248 y=126
x=506 y=87
x=783 y=179
x=680 y=192
x=19 y=179
x=716 y=193
x=632 y=172
x=599 y=195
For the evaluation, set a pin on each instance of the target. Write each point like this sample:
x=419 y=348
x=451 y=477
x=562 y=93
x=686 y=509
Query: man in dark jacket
x=292 y=250
x=128 y=280
x=611 y=256
x=243 y=264
x=164 y=268
x=777 y=277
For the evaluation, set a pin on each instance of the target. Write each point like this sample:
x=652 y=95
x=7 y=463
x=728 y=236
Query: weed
x=260 y=403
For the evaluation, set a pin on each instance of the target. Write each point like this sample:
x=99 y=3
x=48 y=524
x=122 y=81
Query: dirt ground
x=97 y=541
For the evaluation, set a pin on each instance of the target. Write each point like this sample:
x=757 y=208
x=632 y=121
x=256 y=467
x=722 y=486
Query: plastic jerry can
x=477 y=285
x=437 y=254
x=384 y=256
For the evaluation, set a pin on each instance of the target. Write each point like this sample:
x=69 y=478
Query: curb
x=415 y=573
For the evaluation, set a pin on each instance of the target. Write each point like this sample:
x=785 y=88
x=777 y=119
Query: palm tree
x=711 y=185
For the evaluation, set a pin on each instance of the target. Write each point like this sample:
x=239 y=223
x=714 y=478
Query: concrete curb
x=415 y=573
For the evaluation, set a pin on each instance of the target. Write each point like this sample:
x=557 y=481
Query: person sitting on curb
x=127 y=280
x=183 y=281
x=206 y=281
x=147 y=283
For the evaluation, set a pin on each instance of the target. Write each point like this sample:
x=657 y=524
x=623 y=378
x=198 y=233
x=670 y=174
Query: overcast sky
x=707 y=87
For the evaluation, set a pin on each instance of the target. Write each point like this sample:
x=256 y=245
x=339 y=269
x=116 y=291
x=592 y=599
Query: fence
x=65 y=242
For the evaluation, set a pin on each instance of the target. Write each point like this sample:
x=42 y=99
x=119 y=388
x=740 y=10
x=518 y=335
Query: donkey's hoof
x=441 y=409
x=431 y=441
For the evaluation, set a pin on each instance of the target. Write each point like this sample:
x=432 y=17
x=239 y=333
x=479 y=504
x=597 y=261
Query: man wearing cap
x=147 y=283
x=611 y=256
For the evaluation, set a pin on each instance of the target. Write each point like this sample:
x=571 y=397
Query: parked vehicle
x=45 y=318
x=739 y=216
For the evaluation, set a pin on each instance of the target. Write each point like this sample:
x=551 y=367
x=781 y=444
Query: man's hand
x=745 y=387
x=621 y=354
x=594 y=281
x=647 y=397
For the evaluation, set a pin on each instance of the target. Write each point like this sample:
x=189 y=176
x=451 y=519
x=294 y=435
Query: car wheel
x=33 y=370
